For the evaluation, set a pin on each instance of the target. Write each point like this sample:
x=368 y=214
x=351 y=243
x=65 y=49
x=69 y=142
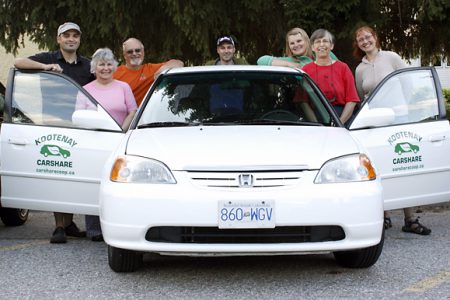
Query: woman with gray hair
x=334 y=78
x=116 y=98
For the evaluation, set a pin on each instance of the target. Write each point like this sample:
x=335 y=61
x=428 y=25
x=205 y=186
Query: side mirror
x=374 y=117
x=93 y=119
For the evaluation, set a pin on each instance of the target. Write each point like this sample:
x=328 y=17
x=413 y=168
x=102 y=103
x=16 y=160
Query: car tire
x=13 y=216
x=122 y=260
x=360 y=258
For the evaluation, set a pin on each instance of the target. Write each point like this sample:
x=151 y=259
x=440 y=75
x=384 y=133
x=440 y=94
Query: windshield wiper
x=276 y=122
x=167 y=124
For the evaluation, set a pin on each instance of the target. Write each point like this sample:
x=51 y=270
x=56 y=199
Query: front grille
x=231 y=179
x=214 y=235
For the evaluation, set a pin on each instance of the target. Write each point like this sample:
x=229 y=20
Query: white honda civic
x=241 y=160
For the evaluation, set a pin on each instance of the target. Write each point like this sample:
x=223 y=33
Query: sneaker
x=59 y=236
x=73 y=230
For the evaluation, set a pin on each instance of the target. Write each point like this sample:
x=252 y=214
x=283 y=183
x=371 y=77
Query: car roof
x=232 y=68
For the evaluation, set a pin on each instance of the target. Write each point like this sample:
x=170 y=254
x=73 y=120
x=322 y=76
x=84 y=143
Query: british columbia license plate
x=246 y=214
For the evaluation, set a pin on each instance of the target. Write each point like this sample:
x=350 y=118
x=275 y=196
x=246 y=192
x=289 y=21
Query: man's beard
x=135 y=61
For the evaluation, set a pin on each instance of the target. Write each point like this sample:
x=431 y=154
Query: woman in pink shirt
x=116 y=98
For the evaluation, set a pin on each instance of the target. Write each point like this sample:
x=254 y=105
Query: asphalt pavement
x=410 y=267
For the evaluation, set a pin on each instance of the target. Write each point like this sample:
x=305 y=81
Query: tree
x=187 y=29
x=417 y=27
x=168 y=28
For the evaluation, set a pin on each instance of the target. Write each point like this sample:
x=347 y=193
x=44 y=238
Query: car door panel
x=411 y=153
x=47 y=162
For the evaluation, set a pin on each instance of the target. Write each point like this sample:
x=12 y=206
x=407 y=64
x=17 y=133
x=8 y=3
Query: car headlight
x=140 y=170
x=356 y=167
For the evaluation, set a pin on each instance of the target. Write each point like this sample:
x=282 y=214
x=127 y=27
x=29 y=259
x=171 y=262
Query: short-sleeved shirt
x=139 y=80
x=80 y=70
x=116 y=98
x=336 y=81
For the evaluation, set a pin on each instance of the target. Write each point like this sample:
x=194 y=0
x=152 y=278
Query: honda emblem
x=245 y=180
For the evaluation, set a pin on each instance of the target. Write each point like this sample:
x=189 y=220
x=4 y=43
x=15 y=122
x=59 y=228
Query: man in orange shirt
x=138 y=75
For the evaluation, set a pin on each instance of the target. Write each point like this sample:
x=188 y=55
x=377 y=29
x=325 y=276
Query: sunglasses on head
x=137 y=50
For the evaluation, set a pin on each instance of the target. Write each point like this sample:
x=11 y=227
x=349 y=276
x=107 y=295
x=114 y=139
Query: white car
x=10 y=216
x=234 y=160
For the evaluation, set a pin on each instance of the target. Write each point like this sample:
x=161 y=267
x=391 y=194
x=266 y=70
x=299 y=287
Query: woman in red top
x=333 y=77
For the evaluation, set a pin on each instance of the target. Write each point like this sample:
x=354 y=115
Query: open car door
x=52 y=154
x=403 y=125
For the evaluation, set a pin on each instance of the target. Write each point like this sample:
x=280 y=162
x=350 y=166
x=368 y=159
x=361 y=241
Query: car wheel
x=13 y=216
x=122 y=260
x=360 y=258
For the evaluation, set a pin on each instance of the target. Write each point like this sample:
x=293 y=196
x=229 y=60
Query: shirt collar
x=364 y=59
x=59 y=56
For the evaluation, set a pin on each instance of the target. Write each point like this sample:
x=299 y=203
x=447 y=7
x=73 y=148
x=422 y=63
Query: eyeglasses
x=322 y=41
x=364 y=38
x=137 y=50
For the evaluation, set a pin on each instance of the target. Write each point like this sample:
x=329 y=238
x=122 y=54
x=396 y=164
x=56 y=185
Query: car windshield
x=234 y=98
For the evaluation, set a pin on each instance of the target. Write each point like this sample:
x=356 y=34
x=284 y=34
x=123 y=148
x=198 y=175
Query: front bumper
x=129 y=211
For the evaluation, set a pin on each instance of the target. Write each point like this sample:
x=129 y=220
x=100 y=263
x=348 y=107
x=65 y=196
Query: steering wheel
x=280 y=115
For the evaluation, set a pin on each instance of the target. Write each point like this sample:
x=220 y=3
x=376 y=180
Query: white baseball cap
x=68 y=26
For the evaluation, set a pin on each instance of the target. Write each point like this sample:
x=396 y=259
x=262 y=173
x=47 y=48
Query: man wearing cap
x=66 y=61
x=225 y=100
x=138 y=75
x=226 y=49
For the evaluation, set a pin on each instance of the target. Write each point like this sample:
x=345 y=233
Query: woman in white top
x=375 y=65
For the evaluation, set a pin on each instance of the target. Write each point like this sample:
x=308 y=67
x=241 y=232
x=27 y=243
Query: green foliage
x=447 y=110
x=446 y=93
x=187 y=29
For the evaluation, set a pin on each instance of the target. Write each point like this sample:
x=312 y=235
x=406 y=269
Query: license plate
x=246 y=214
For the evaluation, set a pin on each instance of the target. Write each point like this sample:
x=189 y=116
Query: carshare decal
x=55 y=154
x=406 y=151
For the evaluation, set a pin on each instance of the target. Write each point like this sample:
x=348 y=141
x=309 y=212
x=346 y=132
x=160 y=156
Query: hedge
x=446 y=93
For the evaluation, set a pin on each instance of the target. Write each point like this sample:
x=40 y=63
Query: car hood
x=241 y=147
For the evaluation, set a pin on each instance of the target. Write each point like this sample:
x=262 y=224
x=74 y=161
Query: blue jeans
x=92 y=226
